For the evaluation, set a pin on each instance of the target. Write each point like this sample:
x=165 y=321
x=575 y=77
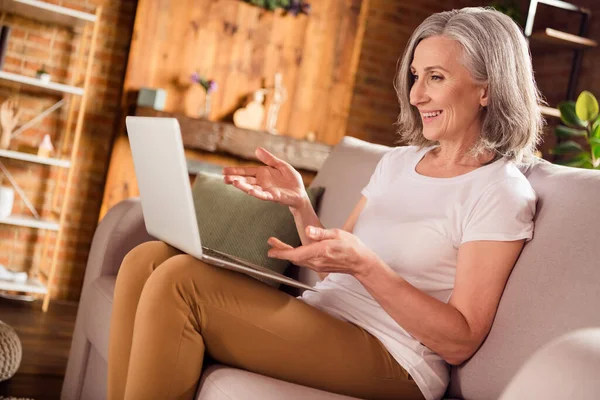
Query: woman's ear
x=484 y=98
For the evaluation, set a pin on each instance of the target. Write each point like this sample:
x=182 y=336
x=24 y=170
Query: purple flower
x=195 y=77
x=212 y=86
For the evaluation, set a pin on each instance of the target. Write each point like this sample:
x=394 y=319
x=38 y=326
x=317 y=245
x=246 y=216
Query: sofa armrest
x=565 y=368
x=121 y=229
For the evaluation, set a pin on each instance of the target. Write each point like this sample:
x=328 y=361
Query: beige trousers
x=170 y=310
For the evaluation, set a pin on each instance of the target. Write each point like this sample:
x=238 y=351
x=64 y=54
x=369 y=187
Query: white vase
x=7 y=199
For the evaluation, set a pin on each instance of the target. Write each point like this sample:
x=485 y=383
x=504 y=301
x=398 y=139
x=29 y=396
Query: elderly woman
x=410 y=284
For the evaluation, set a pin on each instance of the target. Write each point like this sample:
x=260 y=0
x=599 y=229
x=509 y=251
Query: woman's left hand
x=332 y=251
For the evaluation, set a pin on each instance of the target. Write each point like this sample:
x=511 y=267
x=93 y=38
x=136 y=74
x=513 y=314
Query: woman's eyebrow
x=430 y=68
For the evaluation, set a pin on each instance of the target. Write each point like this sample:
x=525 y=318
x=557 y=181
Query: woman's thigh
x=248 y=324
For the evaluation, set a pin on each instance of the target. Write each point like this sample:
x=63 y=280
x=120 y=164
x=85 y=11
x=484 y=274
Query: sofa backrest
x=553 y=288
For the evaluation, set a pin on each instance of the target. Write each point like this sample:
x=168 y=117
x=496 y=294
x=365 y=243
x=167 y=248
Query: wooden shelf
x=17 y=155
x=46 y=12
x=30 y=222
x=226 y=138
x=564 y=39
x=551 y=112
x=34 y=82
x=32 y=285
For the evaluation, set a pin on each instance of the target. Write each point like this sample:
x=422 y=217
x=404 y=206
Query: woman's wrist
x=302 y=206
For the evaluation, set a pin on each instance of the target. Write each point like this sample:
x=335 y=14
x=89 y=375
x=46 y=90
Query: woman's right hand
x=276 y=181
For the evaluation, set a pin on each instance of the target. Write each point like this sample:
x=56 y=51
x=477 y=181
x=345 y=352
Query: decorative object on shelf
x=583 y=121
x=310 y=136
x=43 y=75
x=9 y=118
x=279 y=97
x=11 y=352
x=7 y=200
x=252 y=115
x=294 y=7
x=6 y=275
x=45 y=148
x=209 y=86
x=4 y=35
x=155 y=98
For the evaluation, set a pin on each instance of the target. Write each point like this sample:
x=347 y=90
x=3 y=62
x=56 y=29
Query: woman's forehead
x=437 y=51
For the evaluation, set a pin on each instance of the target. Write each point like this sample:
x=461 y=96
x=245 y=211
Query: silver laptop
x=166 y=195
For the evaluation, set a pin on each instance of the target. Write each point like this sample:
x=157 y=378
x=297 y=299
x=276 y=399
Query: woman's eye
x=415 y=77
x=437 y=78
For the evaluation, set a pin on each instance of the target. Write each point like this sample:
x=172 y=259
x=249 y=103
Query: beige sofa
x=554 y=289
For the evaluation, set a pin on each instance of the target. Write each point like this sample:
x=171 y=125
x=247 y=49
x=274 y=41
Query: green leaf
x=586 y=107
x=595 y=147
x=569 y=116
x=583 y=160
x=563 y=131
x=567 y=147
x=596 y=129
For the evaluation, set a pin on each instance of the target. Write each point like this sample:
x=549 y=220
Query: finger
x=274 y=242
x=297 y=255
x=267 y=158
x=241 y=171
x=229 y=179
x=317 y=233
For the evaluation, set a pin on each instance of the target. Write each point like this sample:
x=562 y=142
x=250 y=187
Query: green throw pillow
x=238 y=224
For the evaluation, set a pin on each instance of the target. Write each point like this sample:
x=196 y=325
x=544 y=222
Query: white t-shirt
x=416 y=224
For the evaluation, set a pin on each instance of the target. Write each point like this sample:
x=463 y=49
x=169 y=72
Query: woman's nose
x=417 y=93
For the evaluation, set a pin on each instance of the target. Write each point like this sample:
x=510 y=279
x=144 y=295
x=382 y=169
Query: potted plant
x=582 y=120
x=42 y=74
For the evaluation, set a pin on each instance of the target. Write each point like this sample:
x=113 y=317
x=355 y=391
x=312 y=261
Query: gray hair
x=495 y=52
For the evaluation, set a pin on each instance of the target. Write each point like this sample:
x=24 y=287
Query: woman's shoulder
x=509 y=179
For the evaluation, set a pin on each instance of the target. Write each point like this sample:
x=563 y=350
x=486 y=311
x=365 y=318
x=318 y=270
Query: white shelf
x=18 y=155
x=32 y=285
x=46 y=12
x=29 y=222
x=31 y=81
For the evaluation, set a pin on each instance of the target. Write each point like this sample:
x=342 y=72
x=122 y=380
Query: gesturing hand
x=277 y=181
x=333 y=250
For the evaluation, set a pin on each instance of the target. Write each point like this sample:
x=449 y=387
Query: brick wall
x=390 y=23
x=32 y=44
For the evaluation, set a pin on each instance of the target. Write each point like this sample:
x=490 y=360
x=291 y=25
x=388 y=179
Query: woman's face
x=444 y=91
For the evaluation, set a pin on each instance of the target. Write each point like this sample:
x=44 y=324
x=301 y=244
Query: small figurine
x=45 y=148
x=279 y=97
x=251 y=116
x=9 y=118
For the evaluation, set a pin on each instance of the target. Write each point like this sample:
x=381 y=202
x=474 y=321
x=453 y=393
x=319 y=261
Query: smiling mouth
x=428 y=116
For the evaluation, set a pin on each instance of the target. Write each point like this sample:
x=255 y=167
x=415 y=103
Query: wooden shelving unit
x=558 y=38
x=555 y=39
x=86 y=23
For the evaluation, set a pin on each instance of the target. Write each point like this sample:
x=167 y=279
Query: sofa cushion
x=553 y=288
x=235 y=223
x=220 y=382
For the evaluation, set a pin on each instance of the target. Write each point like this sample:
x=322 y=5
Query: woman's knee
x=181 y=273
x=144 y=258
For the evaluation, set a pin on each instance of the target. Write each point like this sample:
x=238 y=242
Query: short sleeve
x=504 y=212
